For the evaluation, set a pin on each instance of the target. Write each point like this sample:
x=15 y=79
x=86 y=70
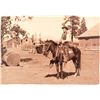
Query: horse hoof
x=57 y=76
x=62 y=77
x=76 y=74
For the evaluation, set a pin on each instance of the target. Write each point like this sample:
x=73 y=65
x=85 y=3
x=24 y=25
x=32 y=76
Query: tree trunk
x=11 y=58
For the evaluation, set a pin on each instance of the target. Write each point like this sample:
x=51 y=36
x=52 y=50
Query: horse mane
x=52 y=42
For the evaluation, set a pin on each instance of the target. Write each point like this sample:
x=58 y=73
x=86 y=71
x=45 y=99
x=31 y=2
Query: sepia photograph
x=50 y=49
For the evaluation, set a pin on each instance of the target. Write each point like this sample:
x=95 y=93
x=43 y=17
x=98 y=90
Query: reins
x=48 y=47
x=48 y=50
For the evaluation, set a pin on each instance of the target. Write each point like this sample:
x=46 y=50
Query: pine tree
x=83 y=27
x=75 y=23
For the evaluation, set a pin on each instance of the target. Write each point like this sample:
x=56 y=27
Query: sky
x=50 y=26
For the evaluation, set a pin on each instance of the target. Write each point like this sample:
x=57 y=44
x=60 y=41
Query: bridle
x=47 y=49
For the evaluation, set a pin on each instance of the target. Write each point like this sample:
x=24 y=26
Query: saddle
x=66 y=50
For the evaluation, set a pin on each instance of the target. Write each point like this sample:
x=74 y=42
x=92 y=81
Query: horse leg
x=77 y=73
x=61 y=70
x=78 y=66
x=51 y=63
x=78 y=63
x=57 y=68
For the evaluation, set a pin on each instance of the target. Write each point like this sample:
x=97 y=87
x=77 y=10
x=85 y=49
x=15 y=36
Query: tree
x=23 y=18
x=5 y=25
x=77 y=26
x=5 y=28
x=74 y=24
x=18 y=30
x=33 y=38
x=83 y=27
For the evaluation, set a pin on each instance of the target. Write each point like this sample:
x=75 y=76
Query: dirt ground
x=35 y=70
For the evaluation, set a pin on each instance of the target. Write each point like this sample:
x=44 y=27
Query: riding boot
x=56 y=55
x=66 y=55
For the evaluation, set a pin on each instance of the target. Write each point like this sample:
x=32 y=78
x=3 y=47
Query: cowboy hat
x=65 y=27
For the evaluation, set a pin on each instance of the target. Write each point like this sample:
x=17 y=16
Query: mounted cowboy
x=66 y=44
x=66 y=37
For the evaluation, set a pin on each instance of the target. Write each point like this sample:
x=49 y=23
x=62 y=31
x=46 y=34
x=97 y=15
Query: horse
x=58 y=56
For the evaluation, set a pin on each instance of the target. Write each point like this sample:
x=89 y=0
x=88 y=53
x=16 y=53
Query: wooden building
x=90 y=39
x=12 y=43
x=10 y=40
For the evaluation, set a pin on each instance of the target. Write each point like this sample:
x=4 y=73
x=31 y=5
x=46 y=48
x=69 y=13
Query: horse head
x=48 y=46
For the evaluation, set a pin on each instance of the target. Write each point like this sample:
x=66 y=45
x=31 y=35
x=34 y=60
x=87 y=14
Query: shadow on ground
x=65 y=75
x=25 y=59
